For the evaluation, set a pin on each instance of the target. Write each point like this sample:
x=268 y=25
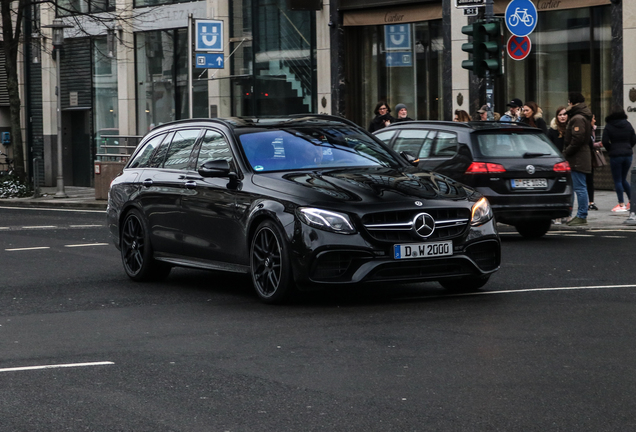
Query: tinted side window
x=213 y=147
x=143 y=157
x=160 y=154
x=410 y=140
x=385 y=136
x=445 y=144
x=182 y=144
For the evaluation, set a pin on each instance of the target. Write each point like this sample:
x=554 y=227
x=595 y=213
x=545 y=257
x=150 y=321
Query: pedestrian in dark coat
x=533 y=116
x=382 y=117
x=619 y=139
x=402 y=113
x=556 y=133
x=577 y=152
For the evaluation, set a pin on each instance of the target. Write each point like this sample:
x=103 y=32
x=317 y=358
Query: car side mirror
x=409 y=158
x=215 y=168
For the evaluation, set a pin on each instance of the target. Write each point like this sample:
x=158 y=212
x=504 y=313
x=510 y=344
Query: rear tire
x=533 y=229
x=270 y=264
x=136 y=250
x=465 y=284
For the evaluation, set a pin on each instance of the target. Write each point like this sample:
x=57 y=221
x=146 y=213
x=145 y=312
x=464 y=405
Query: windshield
x=516 y=145
x=313 y=147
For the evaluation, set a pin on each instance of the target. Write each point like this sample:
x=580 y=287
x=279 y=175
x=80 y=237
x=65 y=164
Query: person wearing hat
x=402 y=113
x=512 y=115
x=482 y=113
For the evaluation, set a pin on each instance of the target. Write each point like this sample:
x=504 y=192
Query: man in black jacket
x=577 y=152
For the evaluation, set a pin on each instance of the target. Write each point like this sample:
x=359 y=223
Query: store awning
x=553 y=5
x=393 y=15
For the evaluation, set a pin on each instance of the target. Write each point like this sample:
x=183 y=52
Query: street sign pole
x=490 y=85
x=190 y=59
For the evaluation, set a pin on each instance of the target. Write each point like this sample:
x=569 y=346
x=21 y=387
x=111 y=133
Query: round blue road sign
x=521 y=17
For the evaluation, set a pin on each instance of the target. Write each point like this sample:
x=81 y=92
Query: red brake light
x=562 y=167
x=485 y=168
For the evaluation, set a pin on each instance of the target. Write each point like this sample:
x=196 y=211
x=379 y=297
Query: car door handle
x=147 y=183
x=191 y=184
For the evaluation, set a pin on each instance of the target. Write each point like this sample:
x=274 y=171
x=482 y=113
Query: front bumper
x=323 y=258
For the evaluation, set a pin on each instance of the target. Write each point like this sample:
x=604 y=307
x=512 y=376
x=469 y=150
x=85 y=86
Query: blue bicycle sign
x=521 y=17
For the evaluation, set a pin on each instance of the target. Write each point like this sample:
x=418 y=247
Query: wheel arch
x=270 y=210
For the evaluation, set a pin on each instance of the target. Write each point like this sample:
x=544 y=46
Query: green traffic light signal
x=486 y=48
x=474 y=64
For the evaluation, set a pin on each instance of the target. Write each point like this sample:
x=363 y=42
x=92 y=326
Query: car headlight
x=481 y=212
x=326 y=220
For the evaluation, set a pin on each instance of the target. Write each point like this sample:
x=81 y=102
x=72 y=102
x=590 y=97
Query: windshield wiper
x=528 y=155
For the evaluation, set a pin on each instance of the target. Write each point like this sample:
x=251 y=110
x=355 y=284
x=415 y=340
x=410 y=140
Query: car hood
x=364 y=185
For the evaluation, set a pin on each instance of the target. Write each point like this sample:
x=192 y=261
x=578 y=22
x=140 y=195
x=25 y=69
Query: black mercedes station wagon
x=516 y=167
x=300 y=202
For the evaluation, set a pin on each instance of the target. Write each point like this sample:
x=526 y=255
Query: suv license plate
x=529 y=183
x=423 y=250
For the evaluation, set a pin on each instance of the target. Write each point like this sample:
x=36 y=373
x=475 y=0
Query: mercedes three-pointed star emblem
x=423 y=225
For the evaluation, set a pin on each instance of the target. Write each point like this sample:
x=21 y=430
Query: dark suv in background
x=516 y=167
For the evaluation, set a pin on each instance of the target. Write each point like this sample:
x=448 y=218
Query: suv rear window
x=515 y=145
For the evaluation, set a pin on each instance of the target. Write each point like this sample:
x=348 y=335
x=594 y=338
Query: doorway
x=77 y=148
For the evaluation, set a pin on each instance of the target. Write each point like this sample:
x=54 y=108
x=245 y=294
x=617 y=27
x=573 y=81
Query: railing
x=116 y=148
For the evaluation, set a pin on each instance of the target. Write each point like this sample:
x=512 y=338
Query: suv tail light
x=485 y=168
x=562 y=167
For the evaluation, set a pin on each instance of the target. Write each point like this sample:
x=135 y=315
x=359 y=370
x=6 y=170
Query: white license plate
x=529 y=183
x=423 y=250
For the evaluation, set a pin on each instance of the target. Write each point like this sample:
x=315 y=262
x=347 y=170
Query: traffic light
x=493 y=47
x=486 y=48
x=475 y=63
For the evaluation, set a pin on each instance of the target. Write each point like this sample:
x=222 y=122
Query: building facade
x=129 y=70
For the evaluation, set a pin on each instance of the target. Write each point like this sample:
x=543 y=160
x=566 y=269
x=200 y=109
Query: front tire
x=533 y=229
x=270 y=264
x=136 y=250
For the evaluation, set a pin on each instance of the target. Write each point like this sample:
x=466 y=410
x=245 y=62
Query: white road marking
x=85 y=226
x=578 y=235
x=5 y=228
x=69 y=365
x=27 y=249
x=527 y=290
x=39 y=227
x=53 y=209
x=576 y=288
x=86 y=244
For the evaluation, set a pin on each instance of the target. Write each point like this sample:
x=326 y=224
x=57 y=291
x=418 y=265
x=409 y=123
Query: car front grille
x=398 y=226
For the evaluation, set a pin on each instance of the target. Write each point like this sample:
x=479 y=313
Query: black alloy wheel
x=270 y=264
x=465 y=284
x=534 y=228
x=136 y=251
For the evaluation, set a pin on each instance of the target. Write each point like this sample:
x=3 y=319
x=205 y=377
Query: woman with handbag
x=618 y=139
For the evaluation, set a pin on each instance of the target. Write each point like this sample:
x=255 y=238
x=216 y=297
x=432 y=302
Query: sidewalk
x=84 y=198
x=77 y=198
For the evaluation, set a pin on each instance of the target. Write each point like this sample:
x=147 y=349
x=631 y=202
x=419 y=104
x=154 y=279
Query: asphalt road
x=547 y=346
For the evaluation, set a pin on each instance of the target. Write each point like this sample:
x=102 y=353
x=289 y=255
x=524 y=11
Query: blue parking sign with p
x=209 y=35
x=397 y=37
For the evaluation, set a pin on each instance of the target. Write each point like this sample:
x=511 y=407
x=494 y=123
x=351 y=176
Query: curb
x=35 y=203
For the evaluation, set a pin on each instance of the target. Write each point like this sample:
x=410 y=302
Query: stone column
x=461 y=83
x=629 y=59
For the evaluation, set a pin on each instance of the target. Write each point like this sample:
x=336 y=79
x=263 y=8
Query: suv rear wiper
x=528 y=155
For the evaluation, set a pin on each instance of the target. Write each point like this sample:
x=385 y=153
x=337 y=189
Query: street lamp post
x=58 y=27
